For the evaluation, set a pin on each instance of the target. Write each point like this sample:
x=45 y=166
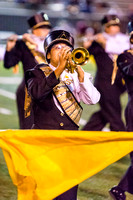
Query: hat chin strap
x=41 y=24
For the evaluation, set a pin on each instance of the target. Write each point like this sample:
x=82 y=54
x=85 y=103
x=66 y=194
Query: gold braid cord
x=27 y=104
x=66 y=99
x=130 y=51
x=40 y=58
x=16 y=69
x=114 y=69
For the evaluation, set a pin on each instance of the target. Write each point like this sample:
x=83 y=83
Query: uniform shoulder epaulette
x=41 y=65
x=130 y=51
x=46 y=69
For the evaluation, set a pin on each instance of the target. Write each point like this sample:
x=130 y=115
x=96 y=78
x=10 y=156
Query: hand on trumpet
x=80 y=72
x=71 y=66
x=61 y=54
x=62 y=58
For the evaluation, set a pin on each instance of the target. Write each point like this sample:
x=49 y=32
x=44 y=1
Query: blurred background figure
x=28 y=49
x=88 y=37
x=105 y=47
x=125 y=65
x=2 y=53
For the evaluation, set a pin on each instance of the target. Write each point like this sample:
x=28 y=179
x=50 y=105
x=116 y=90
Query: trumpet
x=79 y=56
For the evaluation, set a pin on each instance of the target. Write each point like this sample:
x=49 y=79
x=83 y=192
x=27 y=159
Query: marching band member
x=105 y=47
x=28 y=49
x=56 y=92
x=125 y=65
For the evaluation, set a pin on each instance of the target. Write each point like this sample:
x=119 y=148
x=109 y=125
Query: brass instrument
x=79 y=56
x=4 y=39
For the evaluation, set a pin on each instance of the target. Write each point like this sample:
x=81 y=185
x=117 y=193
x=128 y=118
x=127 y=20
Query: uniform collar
x=52 y=67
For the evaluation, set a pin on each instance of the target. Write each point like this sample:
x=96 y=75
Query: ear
x=48 y=55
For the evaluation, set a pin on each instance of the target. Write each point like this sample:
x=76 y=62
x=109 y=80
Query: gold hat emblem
x=64 y=36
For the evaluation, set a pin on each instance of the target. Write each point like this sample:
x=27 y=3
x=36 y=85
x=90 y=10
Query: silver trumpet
x=11 y=38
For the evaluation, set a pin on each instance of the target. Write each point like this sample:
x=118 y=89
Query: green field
x=94 y=188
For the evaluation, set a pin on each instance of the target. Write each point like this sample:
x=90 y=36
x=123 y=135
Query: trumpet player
x=56 y=92
x=105 y=47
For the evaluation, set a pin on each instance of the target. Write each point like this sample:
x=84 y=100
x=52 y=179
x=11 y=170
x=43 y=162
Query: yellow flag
x=46 y=163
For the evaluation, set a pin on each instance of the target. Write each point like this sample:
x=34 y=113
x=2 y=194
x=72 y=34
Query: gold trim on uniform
x=113 y=22
x=40 y=58
x=27 y=104
x=61 y=124
x=66 y=99
x=41 y=24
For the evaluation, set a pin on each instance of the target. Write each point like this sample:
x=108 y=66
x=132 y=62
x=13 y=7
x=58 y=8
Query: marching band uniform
x=110 y=108
x=125 y=65
x=29 y=55
x=56 y=102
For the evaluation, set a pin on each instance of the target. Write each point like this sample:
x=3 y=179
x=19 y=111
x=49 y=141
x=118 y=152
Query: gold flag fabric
x=46 y=163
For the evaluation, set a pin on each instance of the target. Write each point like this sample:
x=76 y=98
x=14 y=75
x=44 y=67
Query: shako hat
x=109 y=20
x=55 y=37
x=130 y=27
x=130 y=31
x=39 y=20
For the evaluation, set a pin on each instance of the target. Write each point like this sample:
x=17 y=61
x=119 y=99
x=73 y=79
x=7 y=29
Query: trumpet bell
x=80 y=56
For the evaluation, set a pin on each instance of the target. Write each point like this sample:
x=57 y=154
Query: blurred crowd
x=73 y=6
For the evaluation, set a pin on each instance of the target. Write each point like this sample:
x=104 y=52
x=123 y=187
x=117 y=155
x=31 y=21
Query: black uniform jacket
x=19 y=53
x=104 y=69
x=125 y=65
x=46 y=114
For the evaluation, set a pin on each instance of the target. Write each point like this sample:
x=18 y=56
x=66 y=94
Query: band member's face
x=54 y=53
x=41 y=32
x=112 y=30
